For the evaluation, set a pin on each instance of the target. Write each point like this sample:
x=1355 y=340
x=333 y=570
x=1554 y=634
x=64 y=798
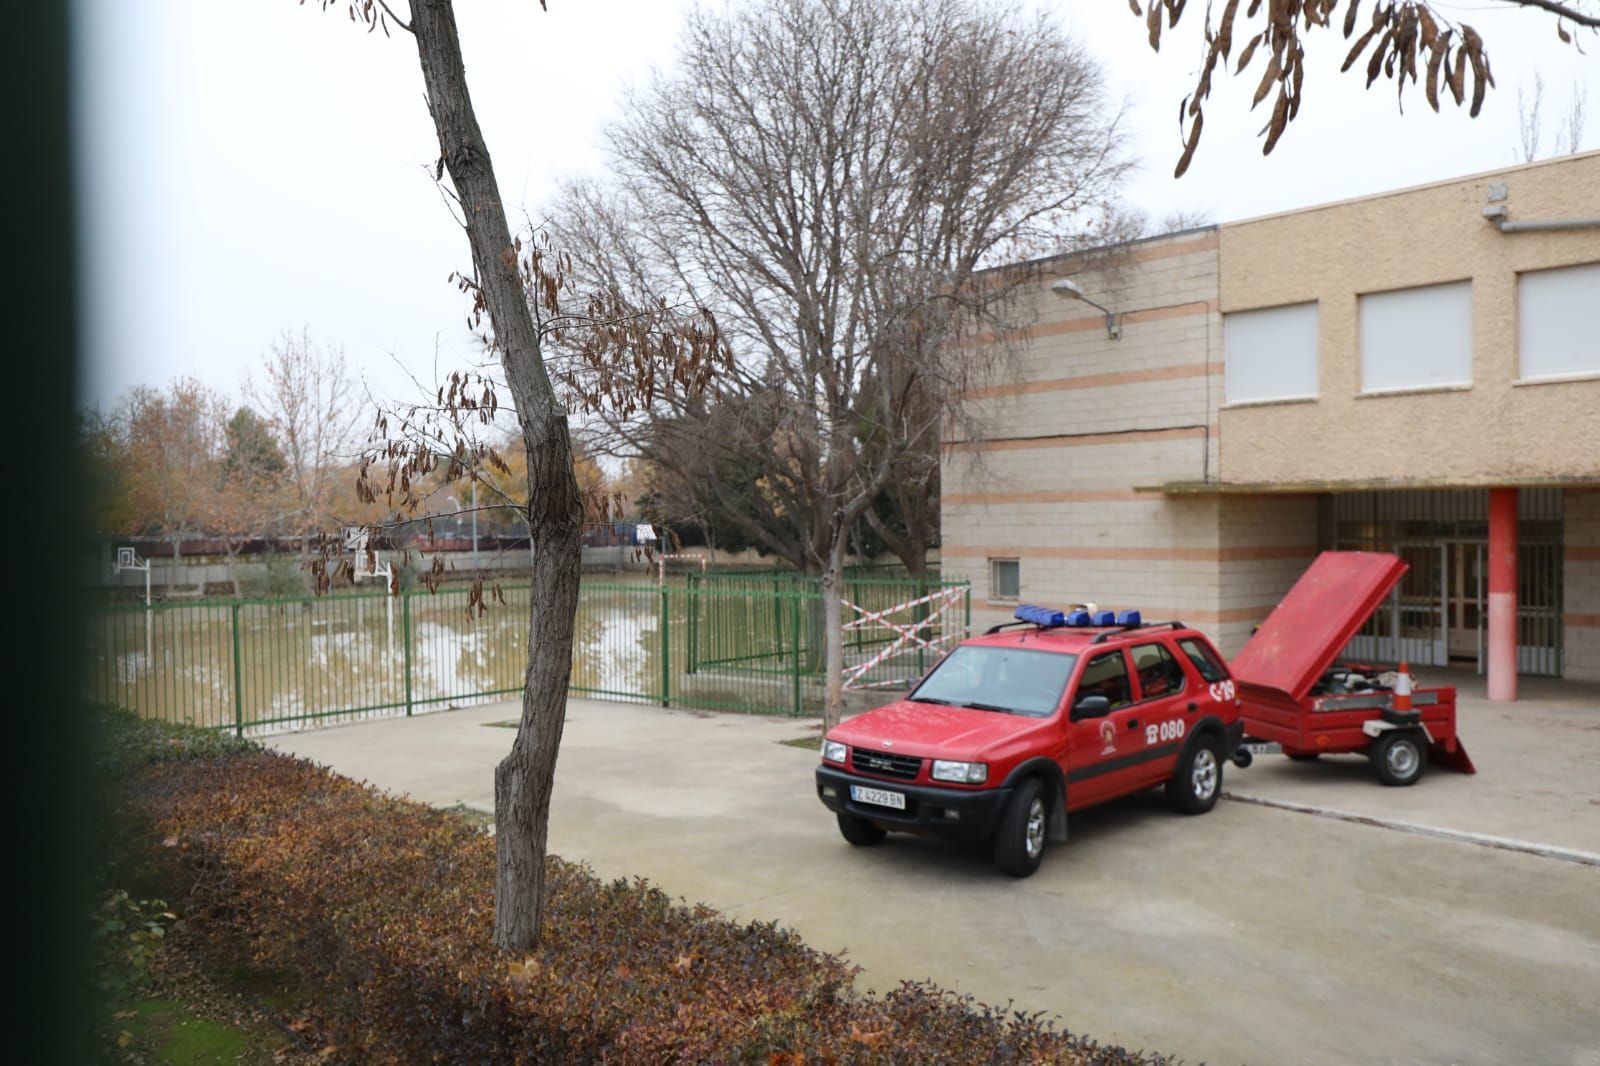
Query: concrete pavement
x=1246 y=935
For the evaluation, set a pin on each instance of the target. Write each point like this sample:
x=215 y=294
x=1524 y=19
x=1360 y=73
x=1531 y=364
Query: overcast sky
x=256 y=166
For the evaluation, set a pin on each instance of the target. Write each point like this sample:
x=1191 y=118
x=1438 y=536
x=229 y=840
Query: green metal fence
x=273 y=664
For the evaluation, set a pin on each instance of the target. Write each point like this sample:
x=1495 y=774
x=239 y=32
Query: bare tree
x=307 y=397
x=1570 y=139
x=1529 y=120
x=517 y=300
x=1403 y=40
x=830 y=176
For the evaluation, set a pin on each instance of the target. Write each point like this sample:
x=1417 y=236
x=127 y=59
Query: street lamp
x=1067 y=289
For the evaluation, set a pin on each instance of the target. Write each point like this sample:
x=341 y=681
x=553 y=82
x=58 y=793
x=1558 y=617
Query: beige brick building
x=1366 y=374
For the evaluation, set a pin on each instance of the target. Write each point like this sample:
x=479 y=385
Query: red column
x=1502 y=594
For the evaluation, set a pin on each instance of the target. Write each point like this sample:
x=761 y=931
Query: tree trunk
x=524 y=778
x=833 y=620
x=555 y=510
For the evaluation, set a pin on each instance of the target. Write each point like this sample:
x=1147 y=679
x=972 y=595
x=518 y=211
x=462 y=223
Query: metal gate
x=1439 y=611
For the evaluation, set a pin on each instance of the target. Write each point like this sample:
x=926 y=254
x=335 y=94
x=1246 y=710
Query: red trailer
x=1297 y=700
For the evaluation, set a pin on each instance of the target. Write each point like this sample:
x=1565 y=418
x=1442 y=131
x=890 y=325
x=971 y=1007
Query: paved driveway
x=1251 y=934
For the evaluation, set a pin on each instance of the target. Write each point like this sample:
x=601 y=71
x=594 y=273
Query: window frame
x=1127 y=674
x=1524 y=377
x=1160 y=645
x=1207 y=654
x=1229 y=392
x=1362 y=347
x=994 y=584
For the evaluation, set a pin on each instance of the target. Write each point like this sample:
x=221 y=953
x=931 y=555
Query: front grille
x=885 y=764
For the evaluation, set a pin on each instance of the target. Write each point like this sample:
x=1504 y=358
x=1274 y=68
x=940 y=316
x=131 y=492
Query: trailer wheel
x=859 y=831
x=1398 y=757
x=1019 y=842
x=1197 y=782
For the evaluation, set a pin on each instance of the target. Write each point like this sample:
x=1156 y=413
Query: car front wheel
x=1019 y=842
x=859 y=831
x=1197 y=782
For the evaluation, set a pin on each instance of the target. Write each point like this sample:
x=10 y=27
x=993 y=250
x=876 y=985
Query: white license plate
x=882 y=798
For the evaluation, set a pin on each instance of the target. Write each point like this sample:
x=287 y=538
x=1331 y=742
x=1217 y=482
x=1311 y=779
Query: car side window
x=1107 y=675
x=1205 y=660
x=1159 y=673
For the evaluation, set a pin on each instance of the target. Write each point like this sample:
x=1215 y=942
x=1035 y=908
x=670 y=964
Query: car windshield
x=1012 y=680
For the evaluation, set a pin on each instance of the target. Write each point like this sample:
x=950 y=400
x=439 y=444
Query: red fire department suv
x=1037 y=718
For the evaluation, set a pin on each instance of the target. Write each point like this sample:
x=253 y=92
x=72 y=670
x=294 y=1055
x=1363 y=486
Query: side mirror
x=1091 y=707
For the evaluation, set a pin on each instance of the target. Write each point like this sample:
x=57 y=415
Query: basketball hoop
x=128 y=559
x=366 y=564
x=661 y=563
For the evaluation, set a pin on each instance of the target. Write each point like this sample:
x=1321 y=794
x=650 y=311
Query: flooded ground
x=286 y=664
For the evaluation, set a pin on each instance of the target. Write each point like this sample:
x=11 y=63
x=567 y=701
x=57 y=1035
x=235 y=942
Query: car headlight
x=833 y=751
x=966 y=773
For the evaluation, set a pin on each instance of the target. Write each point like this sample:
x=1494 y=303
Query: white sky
x=256 y=166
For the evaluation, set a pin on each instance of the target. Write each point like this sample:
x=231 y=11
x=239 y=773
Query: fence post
x=405 y=639
x=794 y=662
x=665 y=628
x=691 y=601
x=238 y=682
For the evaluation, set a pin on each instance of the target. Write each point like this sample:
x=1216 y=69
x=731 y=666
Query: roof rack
x=1107 y=634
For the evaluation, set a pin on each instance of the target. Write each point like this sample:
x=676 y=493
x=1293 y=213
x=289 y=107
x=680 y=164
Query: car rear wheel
x=1197 y=782
x=1019 y=842
x=859 y=831
x=1398 y=757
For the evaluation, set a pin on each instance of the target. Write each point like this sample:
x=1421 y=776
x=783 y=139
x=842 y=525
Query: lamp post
x=1067 y=289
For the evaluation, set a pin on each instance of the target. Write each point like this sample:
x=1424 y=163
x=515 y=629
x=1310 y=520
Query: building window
x=1005 y=579
x=1556 y=312
x=1271 y=354
x=1417 y=338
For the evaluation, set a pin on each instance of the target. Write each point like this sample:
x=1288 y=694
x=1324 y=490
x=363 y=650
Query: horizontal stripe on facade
x=1577 y=552
x=1077 y=440
x=1582 y=621
x=1096 y=381
x=987 y=499
x=1184 y=555
x=1089 y=323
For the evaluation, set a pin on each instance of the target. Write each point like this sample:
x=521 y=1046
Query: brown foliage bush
x=385 y=908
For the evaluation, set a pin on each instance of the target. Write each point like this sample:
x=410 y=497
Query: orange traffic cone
x=1402 y=687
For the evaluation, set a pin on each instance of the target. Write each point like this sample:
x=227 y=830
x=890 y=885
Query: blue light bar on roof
x=1129 y=618
x=1105 y=618
x=1078 y=618
x=1040 y=616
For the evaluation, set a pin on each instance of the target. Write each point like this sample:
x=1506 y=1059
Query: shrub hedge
x=385 y=907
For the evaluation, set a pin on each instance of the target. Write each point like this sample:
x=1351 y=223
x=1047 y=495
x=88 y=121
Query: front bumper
x=962 y=814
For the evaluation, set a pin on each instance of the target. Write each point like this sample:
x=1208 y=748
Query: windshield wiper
x=930 y=699
x=988 y=707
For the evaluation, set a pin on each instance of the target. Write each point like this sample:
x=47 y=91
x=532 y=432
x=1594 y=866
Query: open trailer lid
x=1307 y=630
